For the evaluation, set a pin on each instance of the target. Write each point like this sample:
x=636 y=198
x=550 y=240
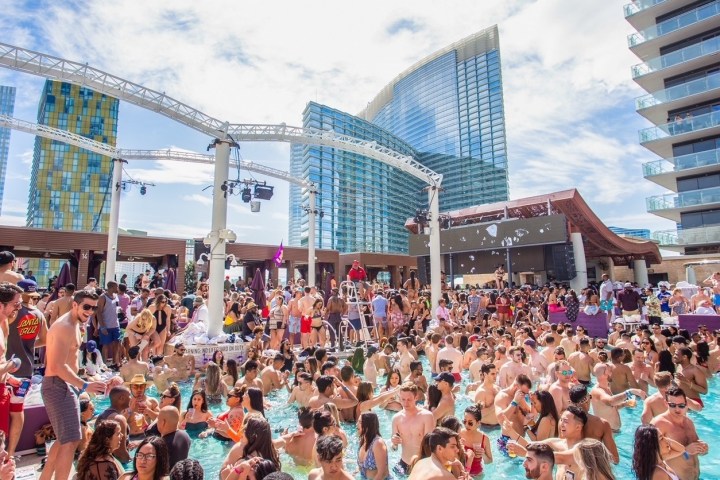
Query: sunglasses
x=168 y=396
x=677 y=405
x=469 y=422
x=645 y=343
x=566 y=372
x=88 y=308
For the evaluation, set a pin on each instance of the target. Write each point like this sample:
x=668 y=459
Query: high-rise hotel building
x=446 y=111
x=7 y=107
x=70 y=188
x=678 y=42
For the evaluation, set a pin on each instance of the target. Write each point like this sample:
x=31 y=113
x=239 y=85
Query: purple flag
x=278 y=258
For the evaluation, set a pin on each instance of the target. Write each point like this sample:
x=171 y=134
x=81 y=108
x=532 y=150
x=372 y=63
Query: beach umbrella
x=170 y=280
x=258 y=289
x=64 y=277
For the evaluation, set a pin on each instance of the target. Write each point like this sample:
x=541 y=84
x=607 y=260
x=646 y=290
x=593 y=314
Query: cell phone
x=23 y=388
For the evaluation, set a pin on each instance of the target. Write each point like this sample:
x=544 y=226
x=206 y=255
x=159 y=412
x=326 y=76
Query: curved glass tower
x=446 y=111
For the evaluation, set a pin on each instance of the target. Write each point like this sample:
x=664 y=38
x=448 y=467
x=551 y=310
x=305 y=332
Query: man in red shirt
x=357 y=273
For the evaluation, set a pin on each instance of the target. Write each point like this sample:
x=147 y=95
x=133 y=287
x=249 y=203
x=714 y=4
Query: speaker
x=560 y=261
x=423 y=271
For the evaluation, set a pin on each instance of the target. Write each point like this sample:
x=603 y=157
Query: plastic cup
x=511 y=453
x=632 y=402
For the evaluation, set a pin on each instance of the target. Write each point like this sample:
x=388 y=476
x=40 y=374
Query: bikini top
x=369 y=463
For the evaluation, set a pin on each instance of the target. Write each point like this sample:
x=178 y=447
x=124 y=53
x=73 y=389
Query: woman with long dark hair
x=231 y=377
x=650 y=452
x=394 y=379
x=665 y=362
x=195 y=418
x=372 y=451
x=256 y=441
x=151 y=461
x=97 y=461
x=546 y=425
x=253 y=401
x=396 y=322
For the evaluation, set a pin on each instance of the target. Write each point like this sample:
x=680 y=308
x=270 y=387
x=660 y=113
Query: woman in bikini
x=372 y=451
x=162 y=313
x=317 y=325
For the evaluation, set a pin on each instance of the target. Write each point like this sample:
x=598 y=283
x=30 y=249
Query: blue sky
x=569 y=98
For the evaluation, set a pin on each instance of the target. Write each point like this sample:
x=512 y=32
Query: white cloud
x=12 y=220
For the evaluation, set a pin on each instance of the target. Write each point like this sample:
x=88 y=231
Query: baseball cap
x=530 y=343
x=446 y=377
x=474 y=338
x=628 y=285
x=91 y=346
x=6 y=257
x=198 y=299
x=29 y=287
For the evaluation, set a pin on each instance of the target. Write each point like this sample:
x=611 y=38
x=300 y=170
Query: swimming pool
x=211 y=452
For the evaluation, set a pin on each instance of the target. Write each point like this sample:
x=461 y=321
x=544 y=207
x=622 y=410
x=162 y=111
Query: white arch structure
x=225 y=134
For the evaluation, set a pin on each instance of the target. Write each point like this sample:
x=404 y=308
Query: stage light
x=246 y=195
x=263 y=192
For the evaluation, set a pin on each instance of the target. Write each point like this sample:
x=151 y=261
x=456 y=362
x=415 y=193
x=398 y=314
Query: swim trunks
x=502 y=442
x=606 y=305
x=457 y=376
x=305 y=323
x=63 y=409
x=716 y=299
x=402 y=468
x=294 y=324
x=111 y=335
x=699 y=400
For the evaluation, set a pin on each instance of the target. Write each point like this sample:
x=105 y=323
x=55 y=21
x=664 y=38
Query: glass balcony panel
x=691 y=52
x=680 y=126
x=677 y=92
x=638 y=5
x=683 y=199
x=688 y=18
x=691 y=236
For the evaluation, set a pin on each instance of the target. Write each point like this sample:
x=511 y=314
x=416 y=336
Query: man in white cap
x=629 y=301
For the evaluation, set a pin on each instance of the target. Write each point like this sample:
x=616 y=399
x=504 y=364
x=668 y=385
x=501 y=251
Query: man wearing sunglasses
x=595 y=427
x=655 y=404
x=676 y=425
x=61 y=384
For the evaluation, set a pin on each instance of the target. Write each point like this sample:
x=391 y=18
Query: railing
x=691 y=52
x=663 y=28
x=640 y=5
x=691 y=236
x=684 y=199
x=680 y=126
x=677 y=92
x=683 y=162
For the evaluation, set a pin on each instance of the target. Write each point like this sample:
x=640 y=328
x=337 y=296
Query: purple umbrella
x=170 y=283
x=64 y=277
x=258 y=289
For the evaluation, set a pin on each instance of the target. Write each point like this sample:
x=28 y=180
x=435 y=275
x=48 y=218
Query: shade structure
x=64 y=277
x=258 y=289
x=171 y=280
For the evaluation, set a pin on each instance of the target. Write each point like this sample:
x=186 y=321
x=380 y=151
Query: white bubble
x=472 y=270
x=492 y=230
x=462 y=264
x=472 y=258
x=462 y=239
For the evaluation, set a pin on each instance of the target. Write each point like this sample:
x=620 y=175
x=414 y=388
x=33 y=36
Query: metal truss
x=59 y=135
x=51 y=67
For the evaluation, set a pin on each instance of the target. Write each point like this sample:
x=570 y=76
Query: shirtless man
x=582 y=362
x=658 y=338
x=600 y=344
x=501 y=357
x=560 y=388
x=294 y=318
x=605 y=404
x=143 y=409
x=621 y=377
x=409 y=426
x=305 y=305
x=301 y=443
x=444 y=447
x=329 y=454
x=511 y=406
x=303 y=392
x=596 y=427
x=272 y=378
x=471 y=354
x=405 y=358
x=252 y=377
x=327 y=393
x=487 y=392
x=61 y=401
x=655 y=404
x=641 y=370
x=511 y=370
x=449 y=352
x=62 y=305
x=7 y=264
x=689 y=377
x=446 y=406
x=549 y=351
x=618 y=328
x=676 y=425
x=698 y=298
x=133 y=366
x=417 y=377
x=713 y=280
x=183 y=364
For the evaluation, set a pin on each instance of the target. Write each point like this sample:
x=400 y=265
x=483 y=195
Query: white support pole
x=311 y=239
x=641 y=271
x=435 y=258
x=580 y=281
x=112 y=240
x=217 y=244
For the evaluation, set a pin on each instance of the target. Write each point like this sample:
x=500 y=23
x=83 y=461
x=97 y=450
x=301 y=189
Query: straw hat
x=139 y=379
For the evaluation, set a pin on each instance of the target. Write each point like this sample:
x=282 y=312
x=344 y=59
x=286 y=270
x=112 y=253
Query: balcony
x=690 y=237
x=665 y=172
x=650 y=75
x=671 y=205
x=647 y=42
x=655 y=106
x=641 y=14
x=660 y=139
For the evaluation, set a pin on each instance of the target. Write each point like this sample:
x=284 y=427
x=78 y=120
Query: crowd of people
x=481 y=377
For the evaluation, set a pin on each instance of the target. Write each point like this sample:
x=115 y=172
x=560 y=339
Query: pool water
x=211 y=452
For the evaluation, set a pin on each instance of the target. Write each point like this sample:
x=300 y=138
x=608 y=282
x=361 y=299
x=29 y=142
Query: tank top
x=109 y=313
x=21 y=339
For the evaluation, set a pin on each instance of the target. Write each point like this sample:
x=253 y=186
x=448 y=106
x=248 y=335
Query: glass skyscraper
x=446 y=111
x=70 y=188
x=7 y=107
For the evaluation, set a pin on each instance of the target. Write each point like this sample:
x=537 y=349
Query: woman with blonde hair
x=594 y=460
x=141 y=332
x=213 y=386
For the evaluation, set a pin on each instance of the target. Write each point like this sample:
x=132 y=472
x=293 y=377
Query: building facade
x=446 y=111
x=631 y=232
x=7 y=107
x=678 y=42
x=70 y=188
